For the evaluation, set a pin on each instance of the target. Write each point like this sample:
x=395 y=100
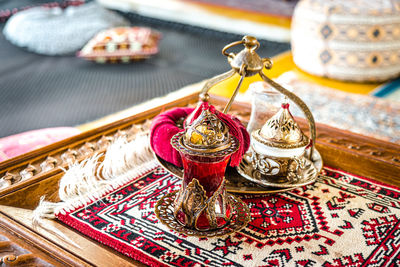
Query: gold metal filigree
x=220 y=196
x=281 y=131
x=207 y=136
x=300 y=103
x=207 y=132
x=192 y=201
x=164 y=210
x=264 y=165
x=284 y=167
x=301 y=173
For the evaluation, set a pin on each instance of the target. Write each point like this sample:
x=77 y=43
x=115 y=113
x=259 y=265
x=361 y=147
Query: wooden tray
x=41 y=170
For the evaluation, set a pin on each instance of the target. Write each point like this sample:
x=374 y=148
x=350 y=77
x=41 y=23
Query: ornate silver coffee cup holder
x=305 y=175
x=280 y=154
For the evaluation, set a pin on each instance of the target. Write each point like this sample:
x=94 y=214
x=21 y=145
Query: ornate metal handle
x=249 y=42
x=229 y=46
x=248 y=63
x=213 y=81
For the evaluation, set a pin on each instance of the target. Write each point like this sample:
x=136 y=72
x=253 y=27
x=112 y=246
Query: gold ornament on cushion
x=207 y=132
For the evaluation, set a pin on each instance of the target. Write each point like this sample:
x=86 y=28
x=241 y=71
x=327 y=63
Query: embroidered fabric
x=336 y=221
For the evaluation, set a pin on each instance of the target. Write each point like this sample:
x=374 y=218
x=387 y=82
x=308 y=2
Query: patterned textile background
x=340 y=220
x=275 y=7
x=356 y=40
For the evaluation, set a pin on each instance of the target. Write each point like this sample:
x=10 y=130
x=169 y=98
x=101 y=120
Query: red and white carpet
x=340 y=220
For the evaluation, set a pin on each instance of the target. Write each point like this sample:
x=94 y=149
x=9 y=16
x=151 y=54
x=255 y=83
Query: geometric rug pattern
x=340 y=220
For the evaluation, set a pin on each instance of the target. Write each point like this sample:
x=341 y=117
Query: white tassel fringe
x=89 y=180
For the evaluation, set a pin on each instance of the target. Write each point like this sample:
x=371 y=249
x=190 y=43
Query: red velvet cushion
x=164 y=127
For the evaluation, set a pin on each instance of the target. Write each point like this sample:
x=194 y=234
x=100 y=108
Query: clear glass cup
x=265 y=102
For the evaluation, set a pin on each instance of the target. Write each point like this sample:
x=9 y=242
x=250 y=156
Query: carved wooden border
x=340 y=149
x=39 y=164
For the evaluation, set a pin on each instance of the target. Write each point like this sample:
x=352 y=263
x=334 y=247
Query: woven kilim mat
x=340 y=220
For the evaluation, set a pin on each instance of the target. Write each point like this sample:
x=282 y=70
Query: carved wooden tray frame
x=42 y=171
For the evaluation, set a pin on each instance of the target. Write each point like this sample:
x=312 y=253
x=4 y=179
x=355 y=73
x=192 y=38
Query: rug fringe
x=113 y=184
x=80 y=179
x=47 y=210
x=119 y=157
x=91 y=179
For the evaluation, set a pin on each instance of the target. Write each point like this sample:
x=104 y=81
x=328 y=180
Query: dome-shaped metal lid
x=281 y=131
x=207 y=134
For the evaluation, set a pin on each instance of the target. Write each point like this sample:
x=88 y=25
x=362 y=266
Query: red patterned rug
x=340 y=220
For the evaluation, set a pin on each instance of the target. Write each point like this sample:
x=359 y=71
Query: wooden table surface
x=41 y=172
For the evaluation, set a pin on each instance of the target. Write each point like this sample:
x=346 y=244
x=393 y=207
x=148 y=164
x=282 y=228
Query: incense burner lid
x=207 y=135
x=281 y=131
